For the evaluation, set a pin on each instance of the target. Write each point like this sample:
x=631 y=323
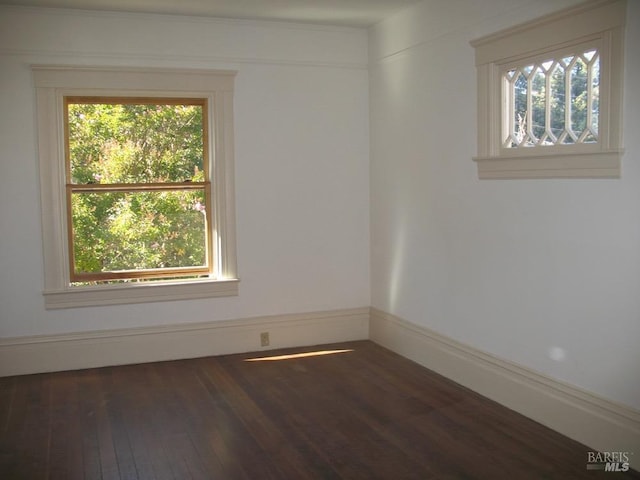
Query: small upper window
x=550 y=95
x=552 y=102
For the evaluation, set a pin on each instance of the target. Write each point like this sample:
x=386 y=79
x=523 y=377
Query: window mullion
x=529 y=113
x=547 y=103
x=567 y=101
x=508 y=113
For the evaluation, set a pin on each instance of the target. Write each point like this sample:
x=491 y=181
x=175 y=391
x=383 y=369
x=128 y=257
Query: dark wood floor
x=362 y=414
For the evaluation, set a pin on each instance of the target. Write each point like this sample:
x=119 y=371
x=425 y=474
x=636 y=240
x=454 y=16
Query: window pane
x=557 y=99
x=138 y=230
x=579 y=92
x=538 y=100
x=520 y=108
x=135 y=143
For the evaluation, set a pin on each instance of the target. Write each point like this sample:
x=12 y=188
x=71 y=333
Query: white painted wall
x=514 y=268
x=544 y=273
x=302 y=152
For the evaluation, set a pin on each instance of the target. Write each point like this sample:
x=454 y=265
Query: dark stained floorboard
x=363 y=414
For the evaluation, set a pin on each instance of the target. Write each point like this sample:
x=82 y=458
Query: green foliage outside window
x=581 y=74
x=123 y=216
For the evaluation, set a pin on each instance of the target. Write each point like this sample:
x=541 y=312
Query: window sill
x=139 y=293
x=591 y=165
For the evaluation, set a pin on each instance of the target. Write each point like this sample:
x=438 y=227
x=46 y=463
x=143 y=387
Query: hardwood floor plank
x=7 y=401
x=89 y=399
x=238 y=452
x=363 y=413
x=7 y=396
x=269 y=439
x=107 y=449
x=27 y=437
x=65 y=457
x=339 y=427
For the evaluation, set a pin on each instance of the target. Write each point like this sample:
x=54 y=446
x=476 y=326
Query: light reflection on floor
x=296 y=355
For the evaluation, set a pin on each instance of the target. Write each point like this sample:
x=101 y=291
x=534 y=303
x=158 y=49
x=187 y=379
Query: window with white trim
x=550 y=95
x=136 y=174
x=554 y=101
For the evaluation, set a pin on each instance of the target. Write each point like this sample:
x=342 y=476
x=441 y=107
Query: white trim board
x=596 y=422
x=205 y=31
x=50 y=353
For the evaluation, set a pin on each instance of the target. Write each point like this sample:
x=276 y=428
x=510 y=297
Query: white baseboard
x=50 y=353
x=596 y=422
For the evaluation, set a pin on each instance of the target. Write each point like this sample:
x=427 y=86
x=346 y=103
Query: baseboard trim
x=50 y=353
x=594 y=421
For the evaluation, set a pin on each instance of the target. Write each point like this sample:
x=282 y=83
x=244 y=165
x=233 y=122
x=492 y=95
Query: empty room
x=289 y=239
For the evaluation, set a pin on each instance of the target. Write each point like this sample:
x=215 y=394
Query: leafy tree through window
x=539 y=111
x=137 y=188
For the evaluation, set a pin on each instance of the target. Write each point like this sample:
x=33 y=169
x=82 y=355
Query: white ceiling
x=357 y=13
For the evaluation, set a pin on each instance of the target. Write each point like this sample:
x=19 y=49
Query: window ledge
x=139 y=293
x=592 y=165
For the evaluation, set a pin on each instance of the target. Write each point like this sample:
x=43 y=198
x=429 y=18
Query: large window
x=137 y=184
x=550 y=95
x=137 y=188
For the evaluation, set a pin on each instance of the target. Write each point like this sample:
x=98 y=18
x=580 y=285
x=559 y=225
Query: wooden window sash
x=141 y=274
x=135 y=187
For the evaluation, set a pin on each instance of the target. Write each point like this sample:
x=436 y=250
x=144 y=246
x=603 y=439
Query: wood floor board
x=364 y=413
x=26 y=442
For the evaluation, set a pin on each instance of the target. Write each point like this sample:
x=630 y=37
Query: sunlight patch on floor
x=291 y=356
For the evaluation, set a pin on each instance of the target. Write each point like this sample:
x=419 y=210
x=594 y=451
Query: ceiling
x=356 y=13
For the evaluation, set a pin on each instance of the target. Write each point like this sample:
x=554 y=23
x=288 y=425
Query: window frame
x=97 y=188
x=506 y=94
x=52 y=85
x=598 y=22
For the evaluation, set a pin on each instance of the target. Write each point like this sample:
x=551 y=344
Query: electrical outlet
x=264 y=339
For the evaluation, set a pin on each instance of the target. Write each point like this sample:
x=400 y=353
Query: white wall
x=301 y=110
x=514 y=268
x=544 y=273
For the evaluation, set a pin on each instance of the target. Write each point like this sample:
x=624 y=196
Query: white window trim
x=52 y=84
x=600 y=21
